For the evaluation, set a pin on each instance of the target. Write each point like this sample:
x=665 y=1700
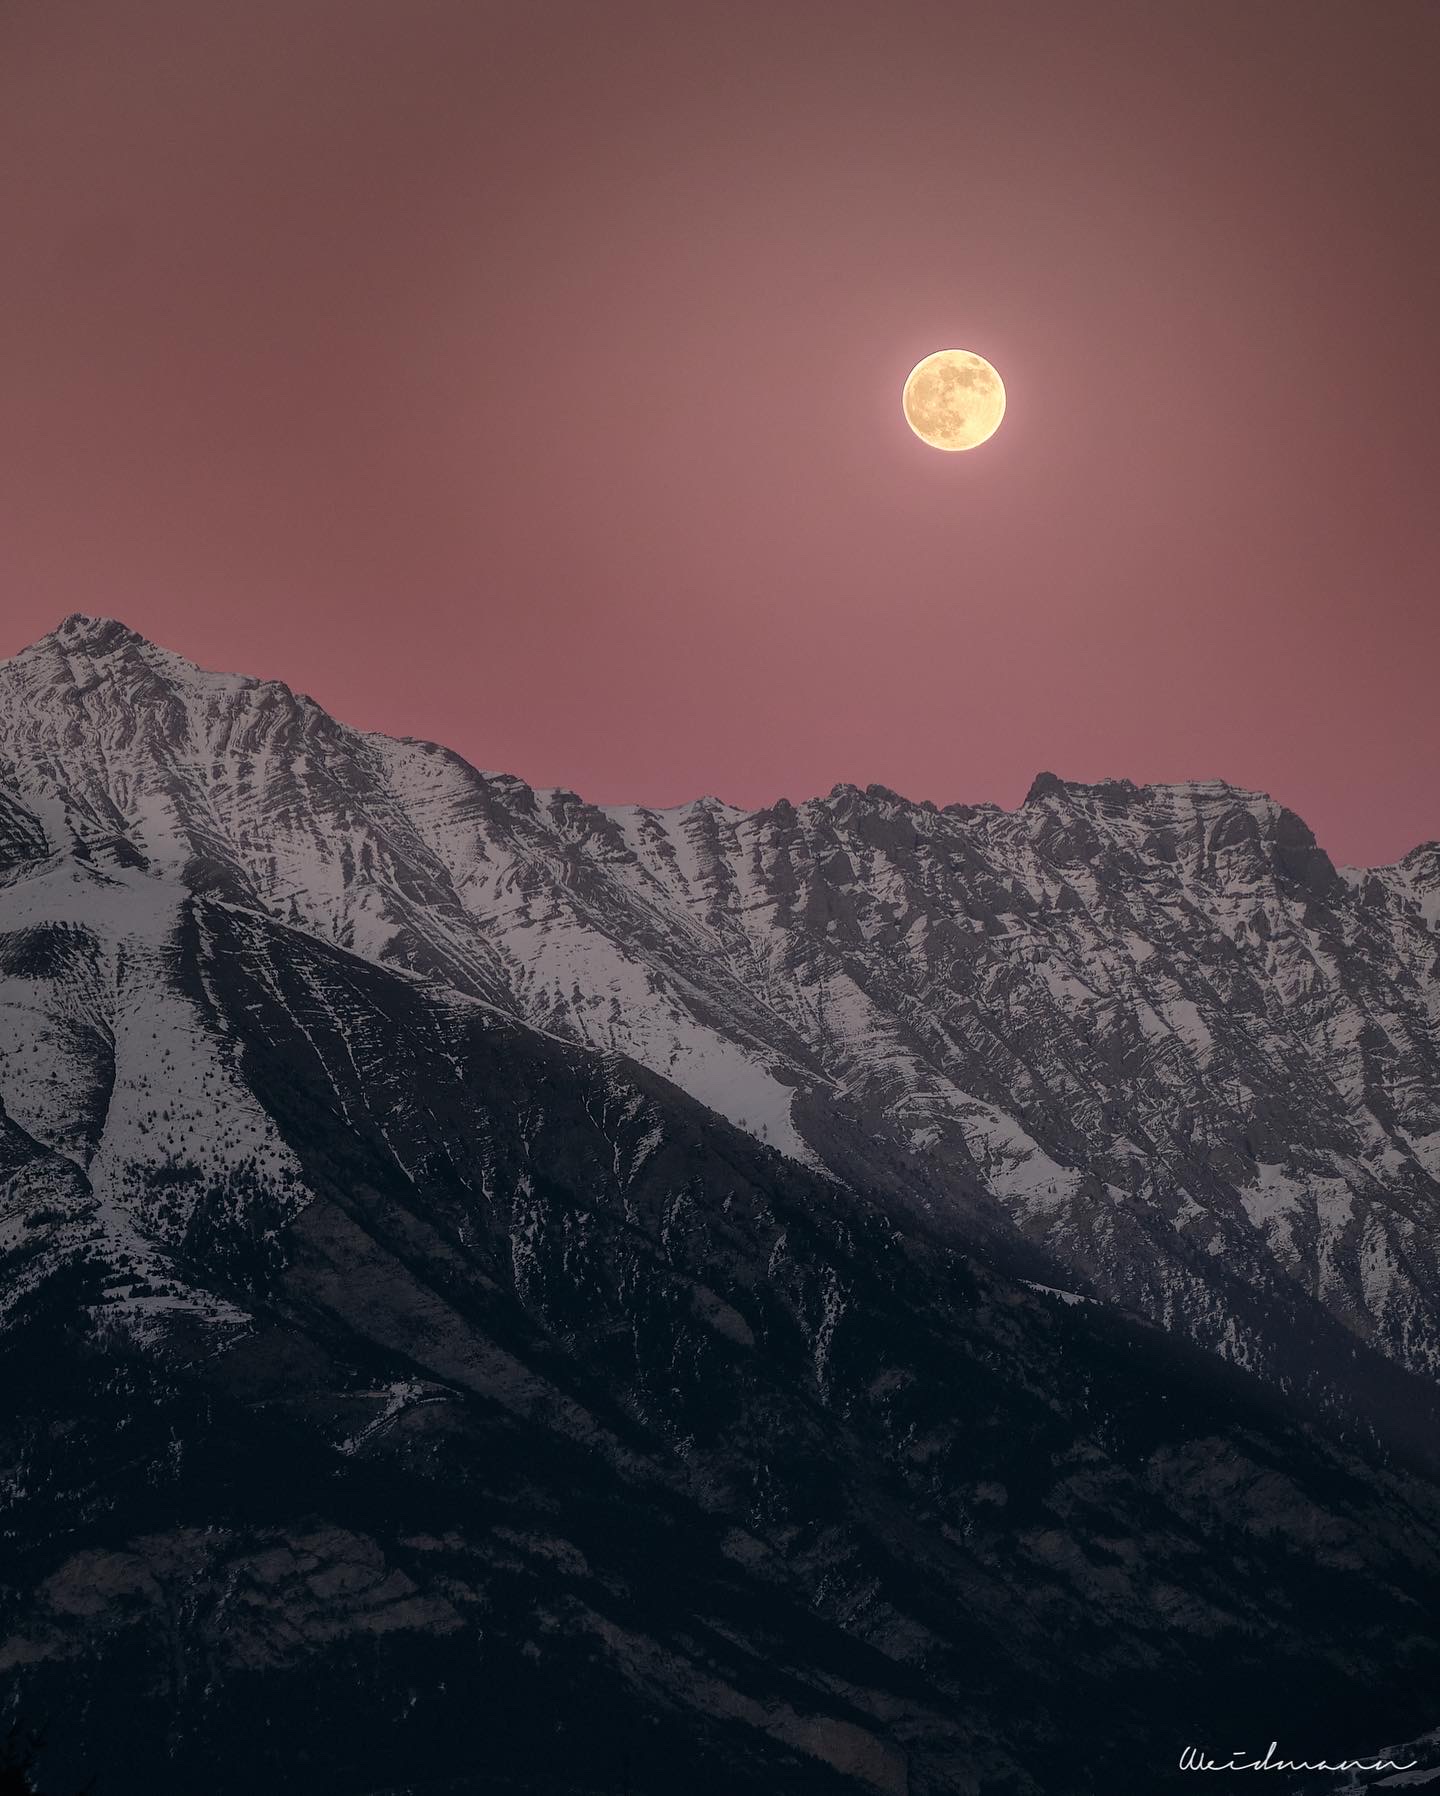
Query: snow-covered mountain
x=671 y=1298
x=1154 y=1029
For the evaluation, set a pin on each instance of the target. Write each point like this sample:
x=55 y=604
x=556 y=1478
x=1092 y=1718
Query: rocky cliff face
x=1154 y=1029
x=410 y=1384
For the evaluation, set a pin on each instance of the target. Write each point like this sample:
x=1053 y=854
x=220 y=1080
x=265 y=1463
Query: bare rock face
x=505 y=1294
x=1151 y=1029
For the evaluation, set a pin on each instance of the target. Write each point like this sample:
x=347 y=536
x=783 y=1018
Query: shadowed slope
x=571 y=1440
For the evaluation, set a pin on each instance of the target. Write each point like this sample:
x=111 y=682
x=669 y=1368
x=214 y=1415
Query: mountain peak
x=86 y=636
x=95 y=632
x=1045 y=785
x=107 y=651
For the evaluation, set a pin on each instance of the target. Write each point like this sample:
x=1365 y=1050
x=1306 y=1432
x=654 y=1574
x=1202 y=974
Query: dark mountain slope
x=517 y=1424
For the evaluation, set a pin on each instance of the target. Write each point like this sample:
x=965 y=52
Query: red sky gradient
x=527 y=376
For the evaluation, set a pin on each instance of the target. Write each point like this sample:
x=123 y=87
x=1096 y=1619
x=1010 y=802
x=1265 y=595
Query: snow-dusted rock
x=1152 y=1027
x=402 y=1369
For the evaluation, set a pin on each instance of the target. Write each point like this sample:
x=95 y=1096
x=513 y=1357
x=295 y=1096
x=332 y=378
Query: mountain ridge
x=104 y=631
x=1149 y=1032
x=501 y=1288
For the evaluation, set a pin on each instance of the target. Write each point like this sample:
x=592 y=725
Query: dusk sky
x=527 y=377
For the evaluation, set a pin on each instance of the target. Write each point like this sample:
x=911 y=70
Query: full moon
x=953 y=399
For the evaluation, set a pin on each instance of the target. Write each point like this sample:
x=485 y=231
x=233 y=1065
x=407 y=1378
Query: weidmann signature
x=1194 y=1759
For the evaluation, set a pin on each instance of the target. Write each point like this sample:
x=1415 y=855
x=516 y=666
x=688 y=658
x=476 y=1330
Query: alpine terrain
x=506 y=1294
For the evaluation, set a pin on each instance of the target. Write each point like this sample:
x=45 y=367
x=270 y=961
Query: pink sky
x=526 y=376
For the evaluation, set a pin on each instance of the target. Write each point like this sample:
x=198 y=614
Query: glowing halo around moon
x=953 y=399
